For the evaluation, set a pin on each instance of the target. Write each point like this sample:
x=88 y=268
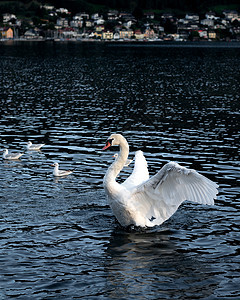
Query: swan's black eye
x=110 y=141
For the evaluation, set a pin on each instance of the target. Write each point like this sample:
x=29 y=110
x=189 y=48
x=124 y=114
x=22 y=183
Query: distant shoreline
x=230 y=44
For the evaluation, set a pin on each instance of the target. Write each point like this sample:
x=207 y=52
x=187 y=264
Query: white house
x=116 y=36
x=211 y=15
x=203 y=34
x=8 y=17
x=192 y=17
x=112 y=15
x=100 y=21
x=31 y=34
x=208 y=22
x=76 y=23
x=95 y=16
x=62 y=22
x=69 y=34
x=62 y=10
x=231 y=15
x=128 y=23
x=47 y=7
x=82 y=15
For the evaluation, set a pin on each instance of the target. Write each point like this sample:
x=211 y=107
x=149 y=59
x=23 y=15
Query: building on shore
x=6 y=33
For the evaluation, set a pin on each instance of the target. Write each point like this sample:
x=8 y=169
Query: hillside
x=179 y=7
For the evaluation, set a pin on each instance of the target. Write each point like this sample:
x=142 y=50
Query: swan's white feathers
x=140 y=172
x=128 y=161
x=162 y=194
x=148 y=202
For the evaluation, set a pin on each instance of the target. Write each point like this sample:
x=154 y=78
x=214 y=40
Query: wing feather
x=140 y=172
x=159 y=197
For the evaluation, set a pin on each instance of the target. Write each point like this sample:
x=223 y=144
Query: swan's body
x=11 y=156
x=128 y=161
x=31 y=146
x=141 y=201
x=59 y=173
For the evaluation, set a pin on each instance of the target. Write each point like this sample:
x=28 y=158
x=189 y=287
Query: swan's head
x=29 y=143
x=114 y=140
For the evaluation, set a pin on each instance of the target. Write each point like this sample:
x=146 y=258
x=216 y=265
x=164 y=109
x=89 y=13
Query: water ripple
x=58 y=236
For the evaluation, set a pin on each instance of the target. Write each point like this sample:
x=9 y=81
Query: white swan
x=59 y=173
x=11 y=156
x=141 y=201
x=31 y=146
x=128 y=161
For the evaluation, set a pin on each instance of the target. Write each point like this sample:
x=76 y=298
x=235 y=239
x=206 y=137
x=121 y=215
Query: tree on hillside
x=169 y=27
x=138 y=13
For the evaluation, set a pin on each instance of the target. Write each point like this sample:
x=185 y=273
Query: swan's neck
x=110 y=183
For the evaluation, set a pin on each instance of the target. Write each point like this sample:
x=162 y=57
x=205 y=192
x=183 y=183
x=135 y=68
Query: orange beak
x=108 y=144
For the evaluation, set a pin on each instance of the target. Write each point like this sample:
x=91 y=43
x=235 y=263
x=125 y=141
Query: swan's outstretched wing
x=140 y=172
x=158 y=198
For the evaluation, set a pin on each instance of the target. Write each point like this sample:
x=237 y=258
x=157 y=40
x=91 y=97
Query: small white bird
x=58 y=173
x=11 y=156
x=128 y=161
x=31 y=146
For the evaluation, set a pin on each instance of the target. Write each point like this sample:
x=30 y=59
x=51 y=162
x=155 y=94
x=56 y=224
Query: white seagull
x=143 y=201
x=31 y=146
x=128 y=161
x=11 y=156
x=59 y=173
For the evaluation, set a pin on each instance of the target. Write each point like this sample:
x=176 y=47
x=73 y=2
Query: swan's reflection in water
x=151 y=263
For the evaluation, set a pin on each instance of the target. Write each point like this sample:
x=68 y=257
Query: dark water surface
x=58 y=237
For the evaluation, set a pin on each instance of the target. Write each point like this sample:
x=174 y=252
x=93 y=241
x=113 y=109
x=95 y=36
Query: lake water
x=59 y=238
